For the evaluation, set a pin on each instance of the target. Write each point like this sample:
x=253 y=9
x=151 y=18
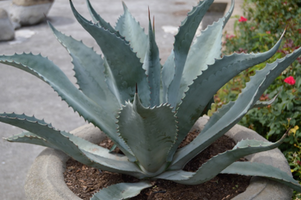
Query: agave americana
x=146 y=108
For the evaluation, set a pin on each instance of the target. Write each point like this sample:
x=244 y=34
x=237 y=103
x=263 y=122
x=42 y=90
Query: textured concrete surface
x=45 y=178
x=23 y=93
x=6 y=27
x=260 y=188
x=28 y=15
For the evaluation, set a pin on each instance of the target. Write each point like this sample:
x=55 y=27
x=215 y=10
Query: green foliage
x=294 y=159
x=146 y=108
x=264 y=23
x=128 y=190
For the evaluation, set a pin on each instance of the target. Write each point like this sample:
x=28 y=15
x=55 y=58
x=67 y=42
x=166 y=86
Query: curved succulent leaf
x=152 y=67
x=48 y=72
x=193 y=58
x=168 y=72
x=73 y=146
x=125 y=66
x=199 y=57
x=256 y=143
x=218 y=73
x=99 y=161
x=129 y=28
x=218 y=115
x=89 y=72
x=263 y=170
x=260 y=104
x=102 y=158
x=31 y=138
x=149 y=132
x=229 y=13
x=182 y=44
x=120 y=22
x=246 y=100
x=41 y=129
x=110 y=80
x=121 y=191
x=216 y=164
x=99 y=20
x=145 y=131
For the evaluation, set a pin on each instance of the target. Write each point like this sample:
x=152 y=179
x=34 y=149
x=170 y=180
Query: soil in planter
x=84 y=181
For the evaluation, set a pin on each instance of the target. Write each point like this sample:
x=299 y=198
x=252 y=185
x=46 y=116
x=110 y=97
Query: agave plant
x=147 y=109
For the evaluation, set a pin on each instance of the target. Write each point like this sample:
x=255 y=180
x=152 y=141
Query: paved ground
x=22 y=93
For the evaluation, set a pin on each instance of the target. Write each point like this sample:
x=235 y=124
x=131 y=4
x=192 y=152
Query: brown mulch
x=84 y=181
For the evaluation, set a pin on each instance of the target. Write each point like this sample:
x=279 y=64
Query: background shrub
x=257 y=31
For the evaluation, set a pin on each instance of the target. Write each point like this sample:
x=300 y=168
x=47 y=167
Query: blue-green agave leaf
x=30 y=138
x=102 y=158
x=73 y=146
x=219 y=73
x=199 y=57
x=182 y=44
x=217 y=115
x=99 y=20
x=121 y=191
x=120 y=22
x=260 y=104
x=89 y=72
x=254 y=143
x=235 y=111
x=116 y=165
x=229 y=13
x=152 y=67
x=263 y=170
x=125 y=66
x=129 y=28
x=48 y=72
x=168 y=72
x=216 y=164
x=110 y=80
x=42 y=130
x=149 y=132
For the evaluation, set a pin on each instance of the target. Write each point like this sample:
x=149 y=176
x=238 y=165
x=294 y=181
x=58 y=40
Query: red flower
x=242 y=19
x=230 y=36
x=290 y=80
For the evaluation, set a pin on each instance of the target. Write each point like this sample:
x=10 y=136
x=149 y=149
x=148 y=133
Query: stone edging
x=45 y=177
x=259 y=188
x=31 y=2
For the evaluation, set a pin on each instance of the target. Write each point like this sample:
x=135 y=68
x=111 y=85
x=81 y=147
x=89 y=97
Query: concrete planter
x=7 y=31
x=45 y=177
x=29 y=12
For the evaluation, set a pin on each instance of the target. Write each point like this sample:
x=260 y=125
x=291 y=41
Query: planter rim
x=45 y=177
x=30 y=2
